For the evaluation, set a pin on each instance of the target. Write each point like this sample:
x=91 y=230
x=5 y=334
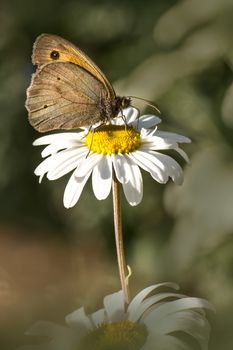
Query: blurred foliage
x=177 y=54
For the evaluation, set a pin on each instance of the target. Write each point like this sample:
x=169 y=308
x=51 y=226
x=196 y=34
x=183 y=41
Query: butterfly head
x=122 y=102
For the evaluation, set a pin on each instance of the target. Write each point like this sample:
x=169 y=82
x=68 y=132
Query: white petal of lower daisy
x=146 y=121
x=74 y=189
x=145 y=305
x=175 y=306
x=189 y=322
x=60 y=337
x=66 y=162
x=133 y=189
x=114 y=305
x=102 y=178
x=138 y=299
x=98 y=317
x=44 y=328
x=167 y=342
x=78 y=319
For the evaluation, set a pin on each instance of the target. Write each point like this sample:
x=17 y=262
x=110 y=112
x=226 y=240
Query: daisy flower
x=120 y=148
x=161 y=321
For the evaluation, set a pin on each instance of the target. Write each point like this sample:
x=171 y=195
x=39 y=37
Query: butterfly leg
x=123 y=118
x=92 y=130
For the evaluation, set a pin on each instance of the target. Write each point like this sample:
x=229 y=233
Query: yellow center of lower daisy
x=124 y=335
x=113 y=139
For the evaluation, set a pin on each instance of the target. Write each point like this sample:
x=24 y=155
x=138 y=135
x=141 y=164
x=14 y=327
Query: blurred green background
x=178 y=54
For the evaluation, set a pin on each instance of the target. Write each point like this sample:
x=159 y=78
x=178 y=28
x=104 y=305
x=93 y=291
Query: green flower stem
x=119 y=238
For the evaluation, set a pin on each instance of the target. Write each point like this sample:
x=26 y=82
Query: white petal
x=118 y=120
x=157 y=143
x=170 y=136
x=48 y=164
x=146 y=162
x=52 y=149
x=74 y=189
x=57 y=337
x=175 y=306
x=161 y=166
x=146 y=121
x=138 y=299
x=119 y=167
x=102 y=178
x=151 y=301
x=51 y=163
x=88 y=164
x=57 y=146
x=167 y=342
x=154 y=146
x=133 y=189
x=66 y=161
x=114 y=305
x=45 y=328
x=183 y=154
x=66 y=136
x=130 y=114
x=98 y=317
x=171 y=167
x=190 y=322
x=78 y=319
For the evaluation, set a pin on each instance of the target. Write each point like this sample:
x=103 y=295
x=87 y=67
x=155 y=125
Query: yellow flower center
x=113 y=139
x=124 y=335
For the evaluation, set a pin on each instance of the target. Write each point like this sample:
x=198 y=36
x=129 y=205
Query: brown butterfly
x=68 y=90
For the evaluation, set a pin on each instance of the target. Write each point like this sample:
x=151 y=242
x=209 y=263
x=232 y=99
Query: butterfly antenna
x=149 y=103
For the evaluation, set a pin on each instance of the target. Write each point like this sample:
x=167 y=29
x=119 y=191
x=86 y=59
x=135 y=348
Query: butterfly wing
x=62 y=95
x=47 y=44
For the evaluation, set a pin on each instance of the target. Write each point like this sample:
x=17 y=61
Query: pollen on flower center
x=113 y=139
x=124 y=335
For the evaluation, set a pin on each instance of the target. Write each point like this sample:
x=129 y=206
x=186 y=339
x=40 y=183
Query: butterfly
x=68 y=90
